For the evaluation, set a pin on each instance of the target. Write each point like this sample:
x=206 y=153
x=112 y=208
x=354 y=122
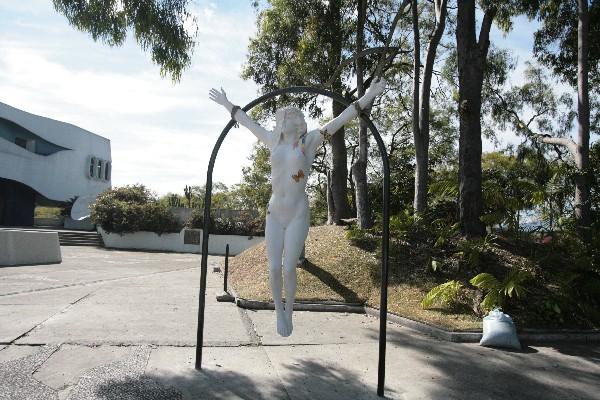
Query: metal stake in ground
x=226 y=268
x=385 y=239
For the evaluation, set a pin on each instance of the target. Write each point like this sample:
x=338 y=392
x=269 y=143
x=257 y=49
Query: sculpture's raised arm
x=352 y=111
x=237 y=114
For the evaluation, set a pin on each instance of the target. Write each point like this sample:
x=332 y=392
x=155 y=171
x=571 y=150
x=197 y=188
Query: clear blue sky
x=161 y=133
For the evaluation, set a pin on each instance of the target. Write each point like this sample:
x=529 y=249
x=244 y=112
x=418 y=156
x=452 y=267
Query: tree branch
x=388 y=40
x=364 y=53
x=560 y=141
x=484 y=32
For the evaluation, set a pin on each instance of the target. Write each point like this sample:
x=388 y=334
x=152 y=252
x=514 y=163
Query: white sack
x=499 y=331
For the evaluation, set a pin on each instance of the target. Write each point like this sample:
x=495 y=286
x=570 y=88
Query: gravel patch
x=122 y=380
x=16 y=381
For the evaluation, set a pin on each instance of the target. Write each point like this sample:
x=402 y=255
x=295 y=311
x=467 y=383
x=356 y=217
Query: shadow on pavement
x=467 y=371
x=304 y=380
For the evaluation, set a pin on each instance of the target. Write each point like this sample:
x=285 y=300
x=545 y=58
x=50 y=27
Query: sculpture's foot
x=283 y=329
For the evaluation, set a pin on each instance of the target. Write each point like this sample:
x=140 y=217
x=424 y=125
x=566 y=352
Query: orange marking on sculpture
x=298 y=176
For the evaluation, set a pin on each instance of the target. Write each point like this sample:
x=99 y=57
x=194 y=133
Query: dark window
x=107 y=171
x=92 y=166
x=21 y=142
x=99 y=169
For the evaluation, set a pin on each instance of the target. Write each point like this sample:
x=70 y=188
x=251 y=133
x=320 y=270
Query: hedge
x=132 y=208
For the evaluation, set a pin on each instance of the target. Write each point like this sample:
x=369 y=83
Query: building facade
x=44 y=161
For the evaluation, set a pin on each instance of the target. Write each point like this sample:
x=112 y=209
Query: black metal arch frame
x=385 y=239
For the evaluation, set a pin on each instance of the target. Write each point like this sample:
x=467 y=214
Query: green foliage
x=298 y=43
x=255 y=190
x=497 y=292
x=243 y=224
x=173 y=200
x=444 y=231
x=555 y=42
x=447 y=295
x=157 y=25
x=131 y=209
x=473 y=250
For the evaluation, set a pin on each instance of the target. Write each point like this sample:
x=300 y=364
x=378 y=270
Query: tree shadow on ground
x=331 y=281
x=304 y=379
x=445 y=370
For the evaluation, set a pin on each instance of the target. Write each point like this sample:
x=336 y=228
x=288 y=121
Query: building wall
x=55 y=158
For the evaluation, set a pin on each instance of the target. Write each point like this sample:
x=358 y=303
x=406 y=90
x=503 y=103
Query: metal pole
x=385 y=238
x=226 y=268
x=205 y=235
x=384 y=267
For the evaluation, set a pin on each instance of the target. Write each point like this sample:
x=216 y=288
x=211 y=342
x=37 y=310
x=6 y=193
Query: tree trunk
x=339 y=169
x=422 y=130
x=582 y=158
x=420 y=199
x=339 y=173
x=471 y=63
x=359 y=168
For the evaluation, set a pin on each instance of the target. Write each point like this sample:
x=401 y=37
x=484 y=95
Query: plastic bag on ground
x=499 y=331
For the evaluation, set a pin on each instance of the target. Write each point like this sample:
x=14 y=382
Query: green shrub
x=447 y=295
x=243 y=225
x=498 y=292
x=131 y=209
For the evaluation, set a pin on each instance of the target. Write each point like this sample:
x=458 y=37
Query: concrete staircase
x=80 y=238
x=75 y=238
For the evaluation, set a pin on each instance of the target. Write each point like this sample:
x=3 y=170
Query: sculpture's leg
x=295 y=236
x=274 y=234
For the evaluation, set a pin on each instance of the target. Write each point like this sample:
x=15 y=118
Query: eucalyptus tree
x=564 y=44
x=301 y=42
x=359 y=168
x=421 y=97
x=164 y=28
x=472 y=52
x=311 y=42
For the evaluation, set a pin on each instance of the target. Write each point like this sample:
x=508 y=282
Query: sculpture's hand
x=218 y=97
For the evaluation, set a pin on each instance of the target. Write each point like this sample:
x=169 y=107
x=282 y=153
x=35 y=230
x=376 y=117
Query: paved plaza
x=122 y=325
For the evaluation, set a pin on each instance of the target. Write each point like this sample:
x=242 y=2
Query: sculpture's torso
x=290 y=167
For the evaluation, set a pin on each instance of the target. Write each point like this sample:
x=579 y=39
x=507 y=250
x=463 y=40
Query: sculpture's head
x=290 y=123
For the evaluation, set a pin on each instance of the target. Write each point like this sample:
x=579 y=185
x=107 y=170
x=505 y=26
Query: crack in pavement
x=50 y=317
x=96 y=282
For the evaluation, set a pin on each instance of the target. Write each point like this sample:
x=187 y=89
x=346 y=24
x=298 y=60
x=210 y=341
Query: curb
x=330 y=306
x=429 y=329
x=526 y=335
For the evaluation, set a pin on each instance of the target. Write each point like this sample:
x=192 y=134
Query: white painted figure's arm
x=220 y=97
x=351 y=111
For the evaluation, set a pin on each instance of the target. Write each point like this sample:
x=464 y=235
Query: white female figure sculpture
x=293 y=151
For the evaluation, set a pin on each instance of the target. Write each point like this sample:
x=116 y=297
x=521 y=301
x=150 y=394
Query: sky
x=161 y=133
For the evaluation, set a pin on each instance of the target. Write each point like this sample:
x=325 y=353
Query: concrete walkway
x=121 y=325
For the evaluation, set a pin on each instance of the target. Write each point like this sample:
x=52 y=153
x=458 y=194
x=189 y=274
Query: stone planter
x=186 y=241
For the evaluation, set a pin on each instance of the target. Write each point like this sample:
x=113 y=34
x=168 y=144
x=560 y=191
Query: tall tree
x=471 y=58
x=340 y=207
x=359 y=168
x=157 y=25
x=301 y=43
x=563 y=43
x=421 y=101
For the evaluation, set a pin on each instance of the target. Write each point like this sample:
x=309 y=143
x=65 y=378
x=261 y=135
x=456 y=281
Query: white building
x=47 y=161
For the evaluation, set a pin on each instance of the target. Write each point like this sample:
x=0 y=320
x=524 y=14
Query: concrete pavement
x=121 y=325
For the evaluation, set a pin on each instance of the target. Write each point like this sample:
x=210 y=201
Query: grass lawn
x=338 y=270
